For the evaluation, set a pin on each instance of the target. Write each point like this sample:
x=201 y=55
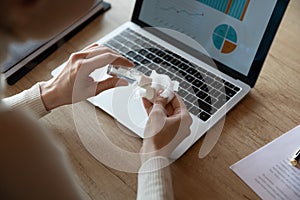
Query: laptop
x=161 y=36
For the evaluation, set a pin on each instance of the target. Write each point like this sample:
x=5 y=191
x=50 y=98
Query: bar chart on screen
x=234 y=8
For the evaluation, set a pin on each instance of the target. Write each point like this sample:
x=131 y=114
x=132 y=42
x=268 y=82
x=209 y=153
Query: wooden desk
x=271 y=109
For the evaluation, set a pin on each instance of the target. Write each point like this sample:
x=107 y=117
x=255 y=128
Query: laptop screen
x=231 y=31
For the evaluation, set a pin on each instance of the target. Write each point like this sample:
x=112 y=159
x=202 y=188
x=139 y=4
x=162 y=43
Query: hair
x=5 y=30
x=5 y=16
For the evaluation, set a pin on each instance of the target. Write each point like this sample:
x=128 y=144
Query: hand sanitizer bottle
x=131 y=75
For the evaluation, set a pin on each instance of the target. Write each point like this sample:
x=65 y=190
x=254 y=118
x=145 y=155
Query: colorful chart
x=233 y=8
x=225 y=38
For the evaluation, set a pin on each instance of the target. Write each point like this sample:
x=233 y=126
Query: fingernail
x=160 y=91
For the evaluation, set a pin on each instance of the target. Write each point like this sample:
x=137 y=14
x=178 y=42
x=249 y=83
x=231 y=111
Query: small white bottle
x=131 y=75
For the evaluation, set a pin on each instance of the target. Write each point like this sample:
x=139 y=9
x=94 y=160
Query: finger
x=110 y=83
x=90 y=46
x=97 y=50
x=122 y=61
x=159 y=108
x=102 y=60
x=160 y=100
x=177 y=104
x=148 y=105
x=170 y=110
x=87 y=52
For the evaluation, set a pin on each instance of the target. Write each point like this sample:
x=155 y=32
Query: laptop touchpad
x=124 y=106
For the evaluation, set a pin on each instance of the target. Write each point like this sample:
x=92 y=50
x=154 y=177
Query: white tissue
x=148 y=86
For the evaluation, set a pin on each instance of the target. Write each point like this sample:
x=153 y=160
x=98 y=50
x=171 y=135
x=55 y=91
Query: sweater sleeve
x=154 y=180
x=28 y=100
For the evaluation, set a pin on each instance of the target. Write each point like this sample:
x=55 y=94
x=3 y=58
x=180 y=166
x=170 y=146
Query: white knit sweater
x=154 y=179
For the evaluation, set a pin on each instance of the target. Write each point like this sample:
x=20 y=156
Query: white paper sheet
x=268 y=170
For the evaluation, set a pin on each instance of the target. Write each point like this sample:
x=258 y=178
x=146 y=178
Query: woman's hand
x=74 y=83
x=168 y=125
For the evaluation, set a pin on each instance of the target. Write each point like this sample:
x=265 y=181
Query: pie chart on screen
x=225 y=38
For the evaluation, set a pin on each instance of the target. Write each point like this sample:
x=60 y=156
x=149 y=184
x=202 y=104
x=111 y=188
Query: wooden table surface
x=271 y=109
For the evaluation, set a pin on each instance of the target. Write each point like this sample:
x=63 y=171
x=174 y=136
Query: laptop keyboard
x=203 y=92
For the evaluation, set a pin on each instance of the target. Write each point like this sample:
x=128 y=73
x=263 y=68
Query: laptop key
x=176 y=55
x=148 y=73
x=170 y=74
x=197 y=83
x=208 y=80
x=161 y=71
x=165 y=64
x=204 y=116
x=195 y=111
x=204 y=106
x=196 y=90
x=160 y=53
x=145 y=61
x=124 y=50
x=184 y=60
x=229 y=92
x=183 y=66
x=181 y=73
x=191 y=98
x=188 y=105
x=182 y=93
x=120 y=39
x=131 y=54
x=126 y=33
x=198 y=76
x=191 y=71
x=143 y=52
x=157 y=60
x=204 y=88
x=176 y=78
x=129 y=44
x=208 y=100
x=215 y=93
x=221 y=100
x=138 y=58
x=228 y=84
x=153 y=50
x=146 y=45
x=201 y=95
x=114 y=44
x=217 y=85
x=236 y=89
x=150 y=56
x=143 y=69
x=153 y=66
x=189 y=78
x=139 y=41
x=185 y=85
x=175 y=62
x=167 y=57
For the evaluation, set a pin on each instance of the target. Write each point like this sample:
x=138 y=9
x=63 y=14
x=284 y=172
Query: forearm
x=154 y=180
x=28 y=100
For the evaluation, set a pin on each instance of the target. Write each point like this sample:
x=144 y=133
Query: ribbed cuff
x=30 y=100
x=154 y=180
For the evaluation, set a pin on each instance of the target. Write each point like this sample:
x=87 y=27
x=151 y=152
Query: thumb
x=160 y=100
x=159 y=104
x=110 y=83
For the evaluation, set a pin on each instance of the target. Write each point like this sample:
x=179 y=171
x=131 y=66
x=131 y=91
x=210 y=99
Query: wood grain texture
x=271 y=109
